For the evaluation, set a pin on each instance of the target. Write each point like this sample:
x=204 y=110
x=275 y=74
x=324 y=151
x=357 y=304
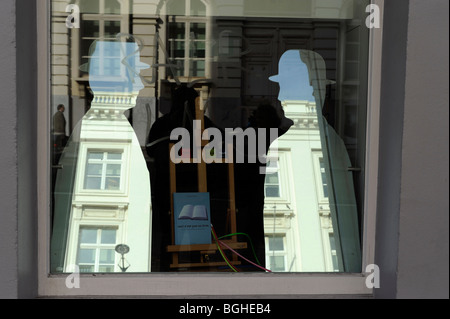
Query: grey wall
x=423 y=264
x=391 y=132
x=412 y=221
x=17 y=156
x=8 y=153
x=26 y=88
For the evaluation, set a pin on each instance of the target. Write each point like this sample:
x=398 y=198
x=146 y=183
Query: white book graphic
x=197 y=212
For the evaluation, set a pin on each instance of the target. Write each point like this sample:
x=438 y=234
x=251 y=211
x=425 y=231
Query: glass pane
x=95 y=155
x=198 y=31
x=114 y=156
x=86 y=268
x=176 y=68
x=108 y=236
x=177 y=49
x=112 y=28
x=88 y=236
x=272 y=179
x=86 y=256
x=197 y=68
x=111 y=67
x=93 y=183
x=113 y=170
x=112 y=7
x=112 y=183
x=277 y=264
x=297 y=67
x=177 y=31
x=272 y=191
x=94 y=169
x=276 y=243
x=197 y=50
x=176 y=8
x=106 y=269
x=90 y=29
x=107 y=256
x=197 y=8
x=89 y=6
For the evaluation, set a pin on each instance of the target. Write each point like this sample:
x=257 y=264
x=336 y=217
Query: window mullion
x=187 y=49
x=104 y=170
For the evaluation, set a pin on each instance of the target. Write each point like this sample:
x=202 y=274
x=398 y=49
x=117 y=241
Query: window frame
x=101 y=17
x=276 y=253
x=86 y=147
x=97 y=246
x=188 y=21
x=210 y=284
x=285 y=182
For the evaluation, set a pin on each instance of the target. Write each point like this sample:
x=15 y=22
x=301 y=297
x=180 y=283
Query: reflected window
x=323 y=178
x=187 y=39
x=103 y=171
x=96 y=249
x=101 y=20
x=333 y=249
x=276 y=253
x=272 y=188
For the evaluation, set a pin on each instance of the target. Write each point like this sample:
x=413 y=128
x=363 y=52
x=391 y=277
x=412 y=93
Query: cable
x=220 y=250
x=232 y=250
x=251 y=244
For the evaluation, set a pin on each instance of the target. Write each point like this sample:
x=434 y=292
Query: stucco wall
x=8 y=153
x=412 y=217
x=423 y=264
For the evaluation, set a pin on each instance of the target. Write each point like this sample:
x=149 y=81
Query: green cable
x=251 y=244
x=221 y=252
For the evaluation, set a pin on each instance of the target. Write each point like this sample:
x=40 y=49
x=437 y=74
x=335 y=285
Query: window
x=258 y=39
x=323 y=178
x=272 y=184
x=334 y=252
x=101 y=19
x=96 y=250
x=187 y=39
x=276 y=254
x=103 y=171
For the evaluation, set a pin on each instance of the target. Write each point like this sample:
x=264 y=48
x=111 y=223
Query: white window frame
x=317 y=157
x=107 y=215
x=104 y=164
x=188 y=20
x=101 y=17
x=86 y=147
x=188 y=284
x=276 y=253
x=285 y=181
x=98 y=246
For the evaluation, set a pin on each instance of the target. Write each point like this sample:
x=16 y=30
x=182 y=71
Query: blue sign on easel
x=192 y=218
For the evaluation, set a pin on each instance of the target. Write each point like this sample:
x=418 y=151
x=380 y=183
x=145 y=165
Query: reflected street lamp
x=123 y=250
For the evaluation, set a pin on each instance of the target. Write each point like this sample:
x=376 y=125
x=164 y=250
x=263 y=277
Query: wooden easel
x=204 y=249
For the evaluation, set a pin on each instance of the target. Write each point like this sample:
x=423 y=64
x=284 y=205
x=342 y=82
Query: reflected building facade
x=226 y=50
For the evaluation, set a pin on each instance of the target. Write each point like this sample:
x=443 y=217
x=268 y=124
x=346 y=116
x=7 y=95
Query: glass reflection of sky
x=114 y=67
x=293 y=78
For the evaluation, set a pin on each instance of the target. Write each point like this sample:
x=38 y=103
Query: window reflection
x=132 y=73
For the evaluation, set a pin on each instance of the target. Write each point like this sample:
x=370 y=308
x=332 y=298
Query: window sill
x=212 y=285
